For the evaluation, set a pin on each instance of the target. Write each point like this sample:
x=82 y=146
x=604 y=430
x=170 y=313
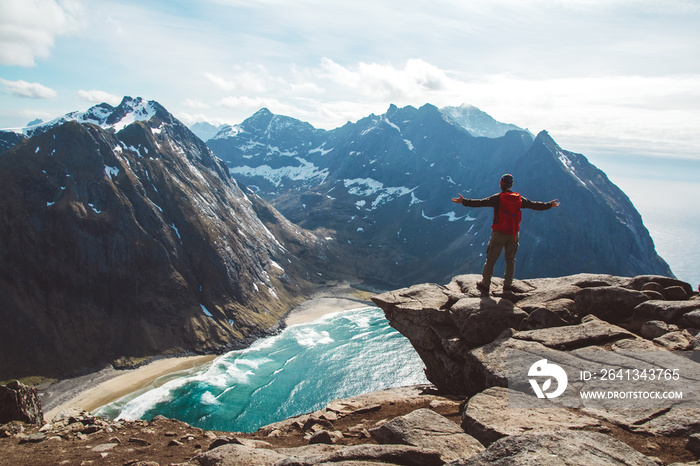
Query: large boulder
x=19 y=402
x=611 y=303
x=638 y=282
x=488 y=416
x=671 y=312
x=591 y=331
x=239 y=455
x=480 y=320
x=427 y=429
x=564 y=447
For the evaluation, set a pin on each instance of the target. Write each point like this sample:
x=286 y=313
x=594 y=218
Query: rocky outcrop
x=559 y=447
x=426 y=429
x=484 y=421
x=401 y=426
x=471 y=343
x=18 y=402
x=462 y=335
x=383 y=185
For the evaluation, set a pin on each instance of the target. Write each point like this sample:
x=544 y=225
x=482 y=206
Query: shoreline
x=93 y=391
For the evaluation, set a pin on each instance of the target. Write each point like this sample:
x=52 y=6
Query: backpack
x=509 y=214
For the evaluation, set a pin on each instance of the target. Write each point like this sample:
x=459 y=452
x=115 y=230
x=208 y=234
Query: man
x=506 y=226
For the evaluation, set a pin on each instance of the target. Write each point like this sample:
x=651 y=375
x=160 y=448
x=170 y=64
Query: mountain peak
x=106 y=116
x=477 y=122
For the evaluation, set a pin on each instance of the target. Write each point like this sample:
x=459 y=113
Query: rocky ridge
x=472 y=343
x=122 y=235
x=383 y=185
x=468 y=417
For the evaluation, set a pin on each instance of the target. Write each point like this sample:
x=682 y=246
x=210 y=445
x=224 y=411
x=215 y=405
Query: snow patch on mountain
x=320 y=150
x=366 y=187
x=569 y=166
x=111 y=172
x=305 y=171
x=451 y=216
x=228 y=131
x=103 y=115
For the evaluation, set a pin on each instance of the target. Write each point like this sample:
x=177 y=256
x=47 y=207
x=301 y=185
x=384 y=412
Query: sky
x=601 y=76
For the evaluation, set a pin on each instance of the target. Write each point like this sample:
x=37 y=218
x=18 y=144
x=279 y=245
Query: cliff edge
x=476 y=412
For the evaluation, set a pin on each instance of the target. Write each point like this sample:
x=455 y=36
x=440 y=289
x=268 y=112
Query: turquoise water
x=298 y=371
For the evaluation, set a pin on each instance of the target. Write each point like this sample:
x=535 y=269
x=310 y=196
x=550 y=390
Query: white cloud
x=596 y=113
x=28 y=28
x=96 y=96
x=220 y=82
x=190 y=119
x=194 y=103
x=251 y=80
x=256 y=103
x=416 y=80
x=29 y=90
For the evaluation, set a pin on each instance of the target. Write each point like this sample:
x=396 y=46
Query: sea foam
x=297 y=371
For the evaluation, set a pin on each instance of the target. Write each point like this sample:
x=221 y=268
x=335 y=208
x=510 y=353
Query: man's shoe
x=483 y=287
x=508 y=290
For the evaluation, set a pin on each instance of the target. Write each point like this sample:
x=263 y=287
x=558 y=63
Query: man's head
x=506 y=182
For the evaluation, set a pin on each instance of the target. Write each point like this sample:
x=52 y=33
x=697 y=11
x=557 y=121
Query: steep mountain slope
x=131 y=239
x=384 y=184
x=8 y=140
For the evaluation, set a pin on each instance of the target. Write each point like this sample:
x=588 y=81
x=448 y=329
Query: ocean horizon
x=663 y=190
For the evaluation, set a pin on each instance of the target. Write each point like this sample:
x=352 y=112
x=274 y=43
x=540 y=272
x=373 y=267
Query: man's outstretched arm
x=535 y=205
x=488 y=202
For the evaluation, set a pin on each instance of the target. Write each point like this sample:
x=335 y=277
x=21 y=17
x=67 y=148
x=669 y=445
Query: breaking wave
x=297 y=371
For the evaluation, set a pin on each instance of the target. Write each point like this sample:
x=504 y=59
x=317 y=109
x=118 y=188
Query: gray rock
x=653 y=329
x=550 y=292
x=103 y=447
x=405 y=455
x=32 y=438
x=653 y=295
x=638 y=282
x=327 y=437
x=542 y=318
x=238 y=455
x=19 y=402
x=652 y=286
x=426 y=429
x=480 y=320
x=221 y=440
x=694 y=343
x=611 y=303
x=668 y=311
x=591 y=331
x=487 y=366
x=567 y=447
x=694 y=444
x=488 y=417
x=693 y=318
x=412 y=311
x=675 y=293
x=675 y=341
x=564 y=308
x=677 y=421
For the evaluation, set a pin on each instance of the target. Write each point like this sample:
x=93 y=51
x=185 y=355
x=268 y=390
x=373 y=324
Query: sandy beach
x=92 y=391
x=336 y=298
